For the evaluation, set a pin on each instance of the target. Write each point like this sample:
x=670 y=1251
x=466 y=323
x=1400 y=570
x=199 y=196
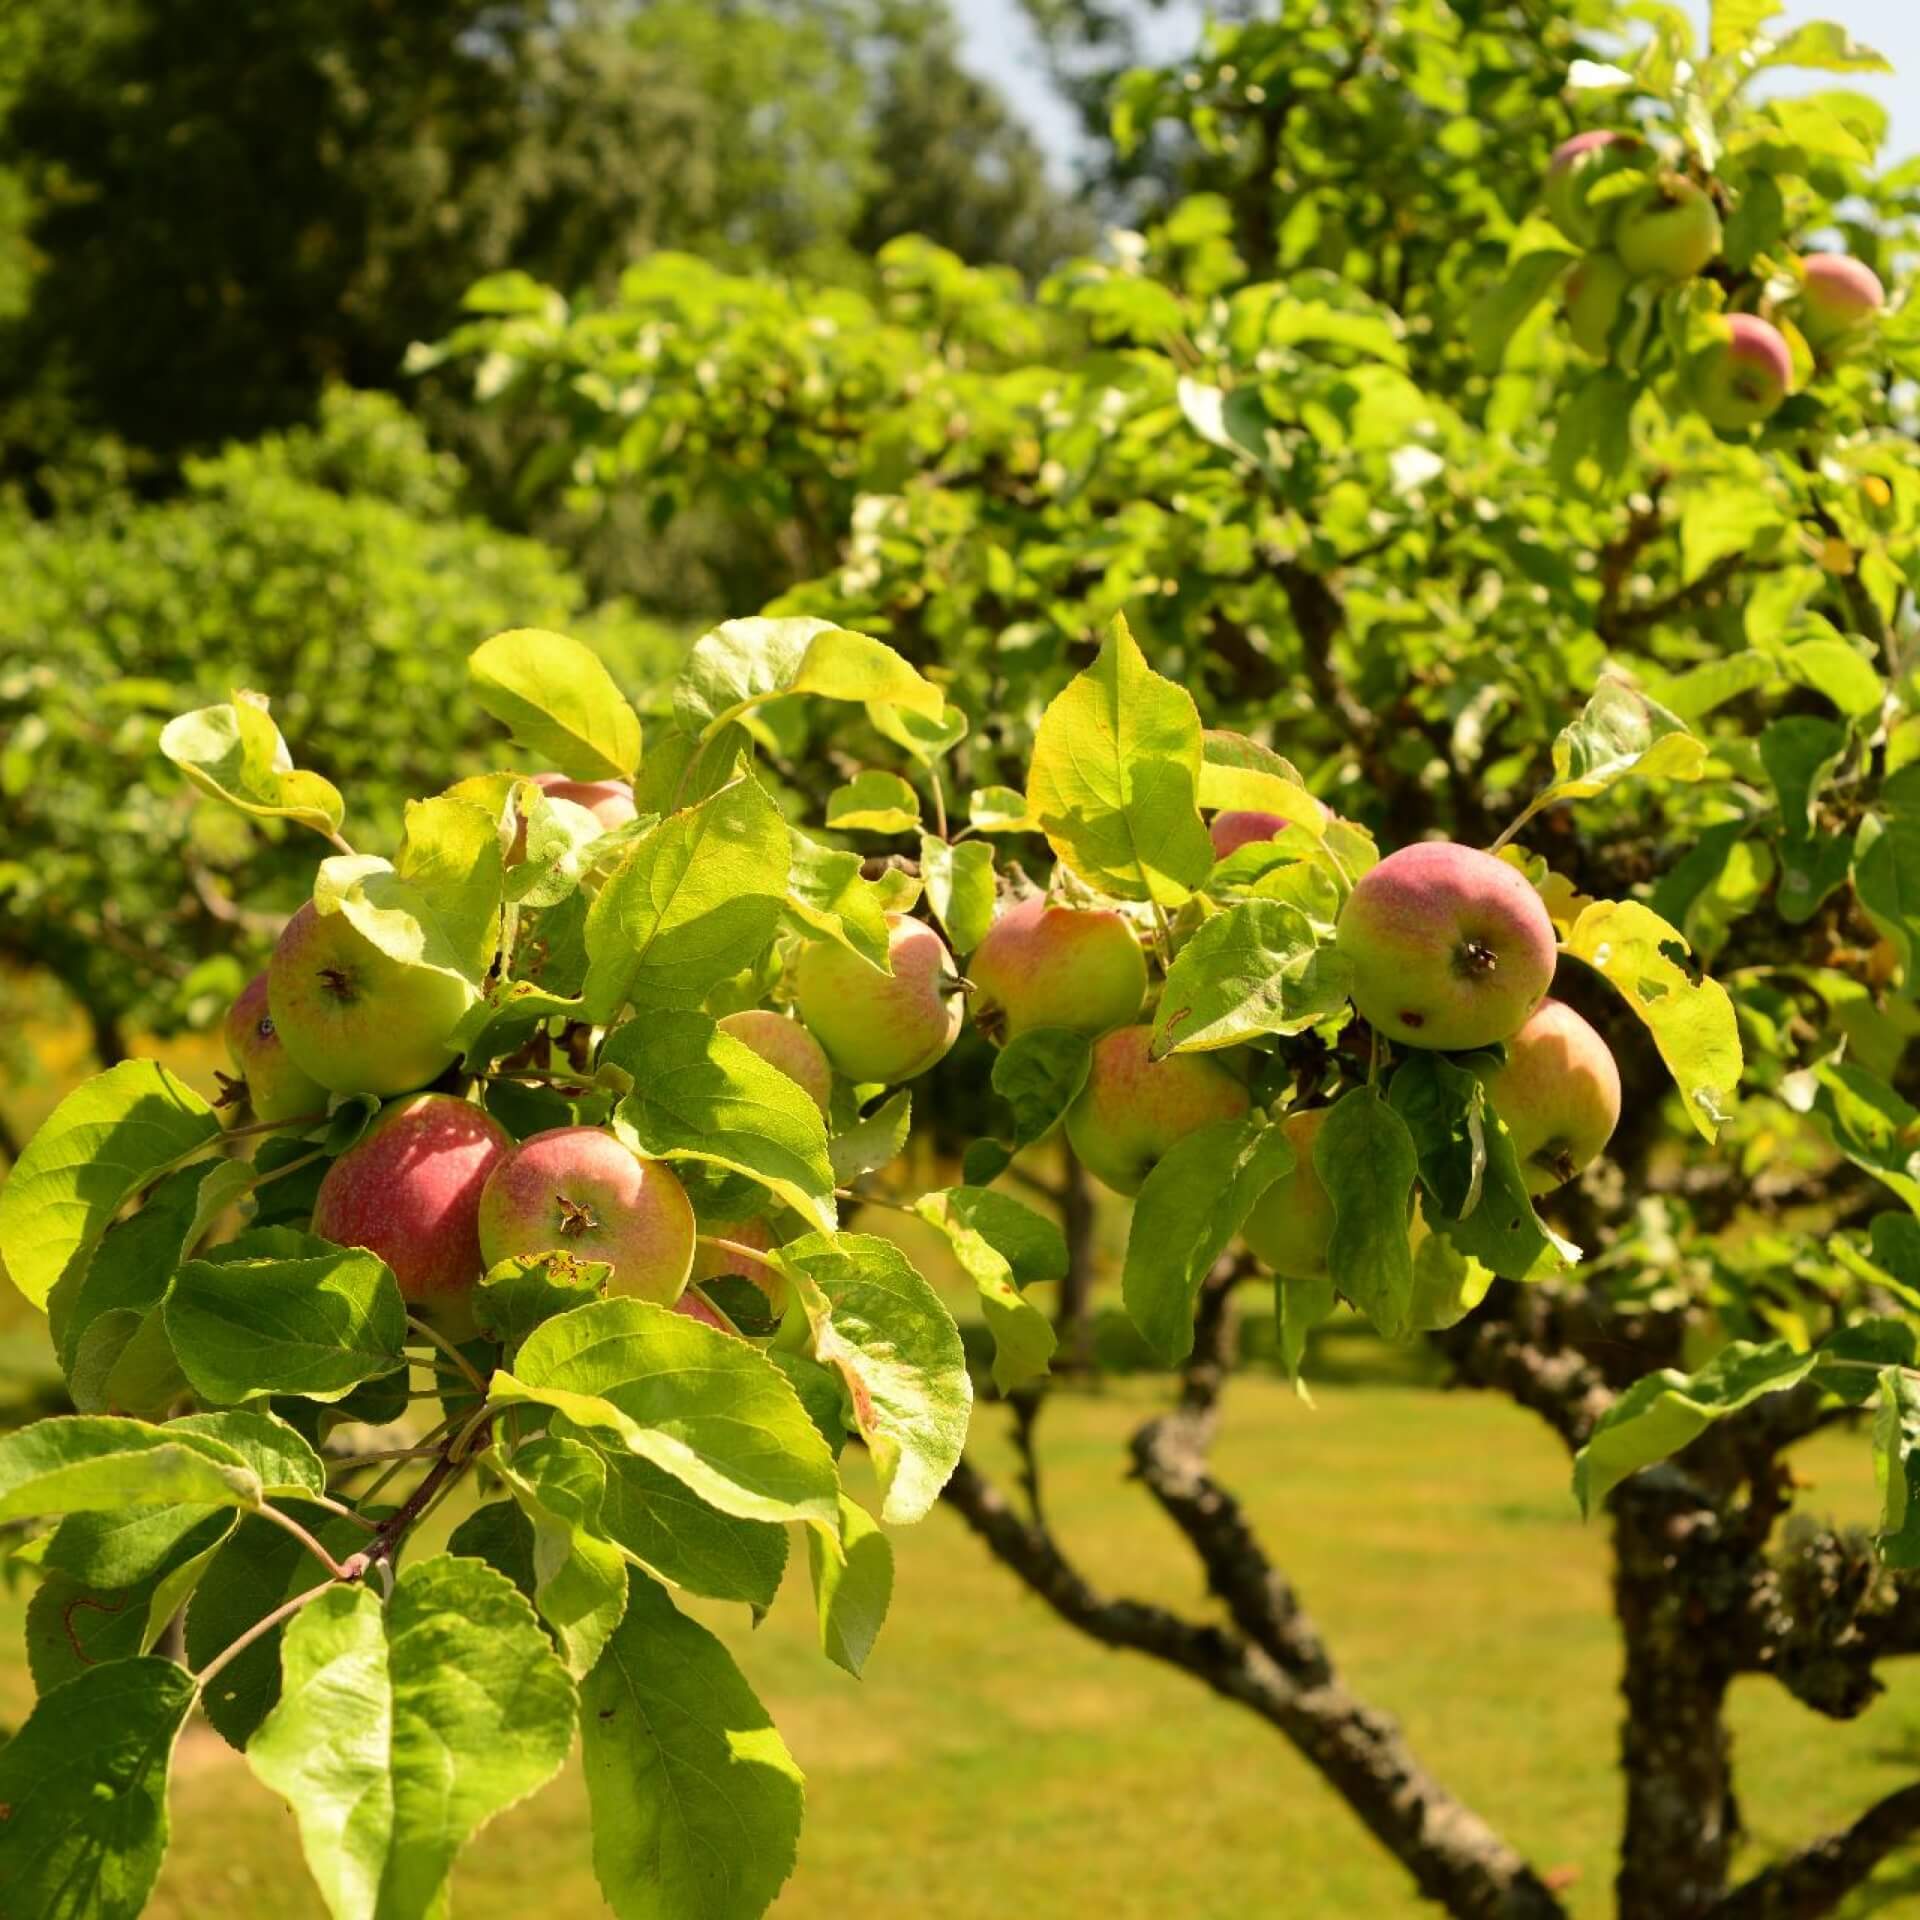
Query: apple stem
x=939 y=799
x=289 y=1524
x=259 y=1628
x=452 y=1352
x=739 y=1252
x=273 y=1126
x=340 y=845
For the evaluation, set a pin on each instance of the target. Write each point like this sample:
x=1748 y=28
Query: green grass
x=995 y=1763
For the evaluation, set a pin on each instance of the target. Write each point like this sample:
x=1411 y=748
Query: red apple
x=1132 y=1109
x=1577 y=167
x=609 y=801
x=1053 y=966
x=1559 y=1094
x=1741 y=380
x=276 y=1088
x=785 y=1044
x=1840 y=296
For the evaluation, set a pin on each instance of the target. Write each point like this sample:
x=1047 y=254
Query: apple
x=785 y=1044
x=1668 y=231
x=1051 y=966
x=353 y=1019
x=1292 y=1221
x=695 y=1308
x=1592 y=299
x=1558 y=1092
x=1577 y=167
x=609 y=801
x=716 y=1263
x=1840 y=295
x=582 y=1191
x=1450 y=947
x=1133 y=1109
x=1741 y=380
x=1244 y=827
x=409 y=1190
x=876 y=1026
x=275 y=1088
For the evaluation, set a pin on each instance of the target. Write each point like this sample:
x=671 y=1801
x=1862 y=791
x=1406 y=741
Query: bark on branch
x=1814 y=1881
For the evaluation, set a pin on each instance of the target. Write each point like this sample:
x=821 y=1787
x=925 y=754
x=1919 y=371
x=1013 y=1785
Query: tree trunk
x=1674 y=1749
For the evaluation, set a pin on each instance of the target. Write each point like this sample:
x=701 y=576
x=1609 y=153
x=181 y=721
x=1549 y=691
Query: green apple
x=1741 y=380
x=876 y=1026
x=409 y=1190
x=1292 y=1221
x=274 y=1087
x=1132 y=1108
x=580 y=1190
x=1592 y=297
x=785 y=1044
x=1577 y=167
x=1450 y=948
x=1051 y=966
x=355 y=1020
x=1558 y=1092
x=1839 y=297
x=1668 y=231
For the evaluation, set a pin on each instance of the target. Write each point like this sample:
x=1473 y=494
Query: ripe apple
x=1668 y=231
x=1577 y=167
x=1840 y=296
x=609 y=801
x=1559 y=1094
x=1450 y=948
x=409 y=1190
x=353 y=1019
x=1292 y=1221
x=1740 y=381
x=876 y=1026
x=1592 y=298
x=582 y=1191
x=785 y=1044
x=276 y=1089
x=1043 y=966
x=1133 y=1109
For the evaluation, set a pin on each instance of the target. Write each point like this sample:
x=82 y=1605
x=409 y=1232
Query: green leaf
x=700 y=1404
x=1732 y=25
x=579 y=1576
x=1896 y=1465
x=829 y=895
x=1886 y=875
x=889 y=1336
x=1837 y=670
x=852 y=1585
x=1499 y=315
x=1003 y=1246
x=999 y=810
x=1823 y=45
x=86 y=1461
x=402 y=1730
x=1240 y=775
x=699 y=1094
x=1115 y=778
x=696 y=1801
x=1298 y=1307
x=926 y=737
x=695 y=900
x=1696 y=693
x=102 y=1143
x=517 y=1295
x=1039 y=1074
x=1800 y=751
x=743 y=663
x=1692 y=1021
x=677 y=1538
x=558 y=701
x=84 y=1784
x=873 y=1141
x=1870 y=1123
x=451 y=858
x=235 y=753
x=1447 y=1282
x=1258 y=967
x=1366 y=1161
x=1620 y=732
x=960 y=888
x=316 y=1325
x=874 y=803
x=285 y=1465
x=1660 y=1414
x=393 y=915
x=1193 y=1203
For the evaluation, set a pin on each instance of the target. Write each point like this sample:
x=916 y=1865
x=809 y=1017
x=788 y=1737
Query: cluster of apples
x=1667 y=230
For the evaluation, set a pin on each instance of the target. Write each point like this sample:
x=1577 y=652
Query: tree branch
x=1812 y=1882
x=1554 y=1381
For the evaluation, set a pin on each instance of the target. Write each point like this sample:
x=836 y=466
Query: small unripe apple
x=876 y=1026
x=1450 y=947
x=409 y=1190
x=1292 y=1221
x=1840 y=295
x=1044 y=966
x=785 y=1044
x=1740 y=381
x=581 y=1191
x=609 y=801
x=276 y=1088
x=1577 y=167
x=1593 y=294
x=1558 y=1093
x=353 y=1019
x=1133 y=1109
x=1668 y=231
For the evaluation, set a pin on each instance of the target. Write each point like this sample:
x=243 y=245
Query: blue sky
x=1000 y=46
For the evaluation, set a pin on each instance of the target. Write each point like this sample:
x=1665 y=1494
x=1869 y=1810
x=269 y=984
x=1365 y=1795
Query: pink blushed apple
x=1133 y=1108
x=1577 y=167
x=1741 y=380
x=1839 y=297
x=1558 y=1093
x=880 y=1027
x=785 y=1044
x=1054 y=966
x=276 y=1089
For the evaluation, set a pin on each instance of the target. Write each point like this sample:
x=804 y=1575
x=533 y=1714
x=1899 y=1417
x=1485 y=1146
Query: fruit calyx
x=576 y=1217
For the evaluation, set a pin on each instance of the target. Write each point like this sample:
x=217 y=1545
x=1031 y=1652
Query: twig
x=288 y=1524
x=234 y=1649
x=452 y=1352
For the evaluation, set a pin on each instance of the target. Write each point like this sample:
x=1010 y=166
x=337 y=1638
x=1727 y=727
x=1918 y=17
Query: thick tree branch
x=1554 y=1381
x=1815 y=1880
